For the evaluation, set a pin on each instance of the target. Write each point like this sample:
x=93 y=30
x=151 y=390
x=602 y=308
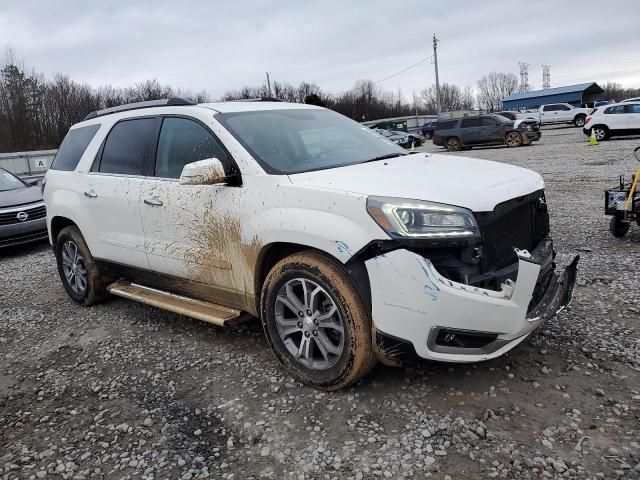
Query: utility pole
x=435 y=62
x=524 y=77
x=269 y=84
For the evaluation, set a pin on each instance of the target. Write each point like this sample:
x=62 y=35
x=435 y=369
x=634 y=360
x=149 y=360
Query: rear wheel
x=79 y=273
x=315 y=321
x=579 y=121
x=514 y=139
x=601 y=132
x=453 y=144
x=619 y=227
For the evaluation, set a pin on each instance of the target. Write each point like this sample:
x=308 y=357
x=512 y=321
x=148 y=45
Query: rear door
x=549 y=113
x=112 y=195
x=632 y=114
x=470 y=131
x=616 y=119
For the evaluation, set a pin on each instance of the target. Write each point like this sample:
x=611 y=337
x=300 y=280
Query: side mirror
x=203 y=172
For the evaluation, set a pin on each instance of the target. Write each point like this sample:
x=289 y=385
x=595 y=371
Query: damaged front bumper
x=449 y=321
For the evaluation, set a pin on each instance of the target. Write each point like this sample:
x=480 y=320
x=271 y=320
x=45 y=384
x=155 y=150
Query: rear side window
x=184 y=141
x=633 y=108
x=470 y=122
x=126 y=148
x=489 y=121
x=615 y=110
x=446 y=125
x=73 y=147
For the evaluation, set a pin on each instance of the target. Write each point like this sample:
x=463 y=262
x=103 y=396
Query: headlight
x=418 y=219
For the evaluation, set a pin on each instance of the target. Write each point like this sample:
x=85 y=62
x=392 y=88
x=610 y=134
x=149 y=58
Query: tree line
x=36 y=112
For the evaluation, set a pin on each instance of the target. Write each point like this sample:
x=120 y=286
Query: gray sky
x=221 y=45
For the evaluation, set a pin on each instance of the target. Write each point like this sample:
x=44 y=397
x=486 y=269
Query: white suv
x=614 y=120
x=347 y=248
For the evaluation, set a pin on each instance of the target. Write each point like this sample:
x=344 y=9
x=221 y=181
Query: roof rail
x=259 y=99
x=165 y=102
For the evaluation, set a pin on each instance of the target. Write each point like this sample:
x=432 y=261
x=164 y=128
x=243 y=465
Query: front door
x=112 y=193
x=491 y=129
x=192 y=231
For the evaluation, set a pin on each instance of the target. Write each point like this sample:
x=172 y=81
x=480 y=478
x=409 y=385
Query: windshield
x=301 y=140
x=9 y=181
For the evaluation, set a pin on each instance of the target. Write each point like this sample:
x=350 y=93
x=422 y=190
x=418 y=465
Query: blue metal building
x=574 y=94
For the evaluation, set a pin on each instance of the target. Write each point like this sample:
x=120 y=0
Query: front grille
x=521 y=222
x=33 y=213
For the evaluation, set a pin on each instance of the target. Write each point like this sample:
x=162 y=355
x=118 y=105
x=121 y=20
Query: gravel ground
x=122 y=390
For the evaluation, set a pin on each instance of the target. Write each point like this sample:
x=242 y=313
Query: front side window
x=489 y=121
x=300 y=140
x=184 y=141
x=126 y=148
x=73 y=146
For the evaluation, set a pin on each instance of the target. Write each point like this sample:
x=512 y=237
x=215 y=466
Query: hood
x=19 y=196
x=478 y=185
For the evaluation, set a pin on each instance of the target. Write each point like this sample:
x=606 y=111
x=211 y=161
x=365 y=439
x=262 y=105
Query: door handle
x=153 y=201
x=90 y=194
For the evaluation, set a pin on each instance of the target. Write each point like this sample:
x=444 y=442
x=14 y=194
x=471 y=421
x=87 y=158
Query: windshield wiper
x=385 y=156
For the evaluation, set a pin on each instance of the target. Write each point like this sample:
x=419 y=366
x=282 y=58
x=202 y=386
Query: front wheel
x=579 y=121
x=601 y=133
x=316 y=322
x=514 y=139
x=619 y=227
x=79 y=273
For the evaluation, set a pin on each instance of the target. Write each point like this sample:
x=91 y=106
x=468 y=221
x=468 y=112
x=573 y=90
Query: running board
x=199 y=309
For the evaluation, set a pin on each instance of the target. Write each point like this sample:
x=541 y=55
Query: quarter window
x=73 y=147
x=184 y=141
x=126 y=148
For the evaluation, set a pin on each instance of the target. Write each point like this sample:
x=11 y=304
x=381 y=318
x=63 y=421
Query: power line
x=406 y=69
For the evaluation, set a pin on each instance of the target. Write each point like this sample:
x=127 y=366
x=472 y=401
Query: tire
x=79 y=273
x=513 y=139
x=453 y=144
x=618 y=227
x=602 y=133
x=328 y=357
x=579 y=120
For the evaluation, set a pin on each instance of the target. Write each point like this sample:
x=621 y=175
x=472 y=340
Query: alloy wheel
x=309 y=324
x=74 y=267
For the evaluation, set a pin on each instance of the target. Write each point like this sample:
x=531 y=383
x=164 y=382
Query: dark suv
x=463 y=133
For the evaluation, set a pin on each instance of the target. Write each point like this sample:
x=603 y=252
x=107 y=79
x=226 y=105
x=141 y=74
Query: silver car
x=22 y=211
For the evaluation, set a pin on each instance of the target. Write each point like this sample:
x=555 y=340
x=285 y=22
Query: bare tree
x=452 y=98
x=493 y=88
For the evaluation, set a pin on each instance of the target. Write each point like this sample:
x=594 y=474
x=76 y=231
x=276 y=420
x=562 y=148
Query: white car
x=614 y=120
x=557 y=113
x=348 y=249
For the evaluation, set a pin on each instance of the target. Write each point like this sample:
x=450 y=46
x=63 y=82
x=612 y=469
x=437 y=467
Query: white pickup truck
x=557 y=113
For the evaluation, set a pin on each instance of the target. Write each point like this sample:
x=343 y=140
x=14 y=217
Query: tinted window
x=73 y=147
x=488 y=121
x=470 y=122
x=550 y=108
x=633 y=108
x=125 y=150
x=446 y=124
x=615 y=110
x=184 y=141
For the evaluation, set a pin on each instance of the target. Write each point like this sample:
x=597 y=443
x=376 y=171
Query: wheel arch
x=272 y=253
x=57 y=224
